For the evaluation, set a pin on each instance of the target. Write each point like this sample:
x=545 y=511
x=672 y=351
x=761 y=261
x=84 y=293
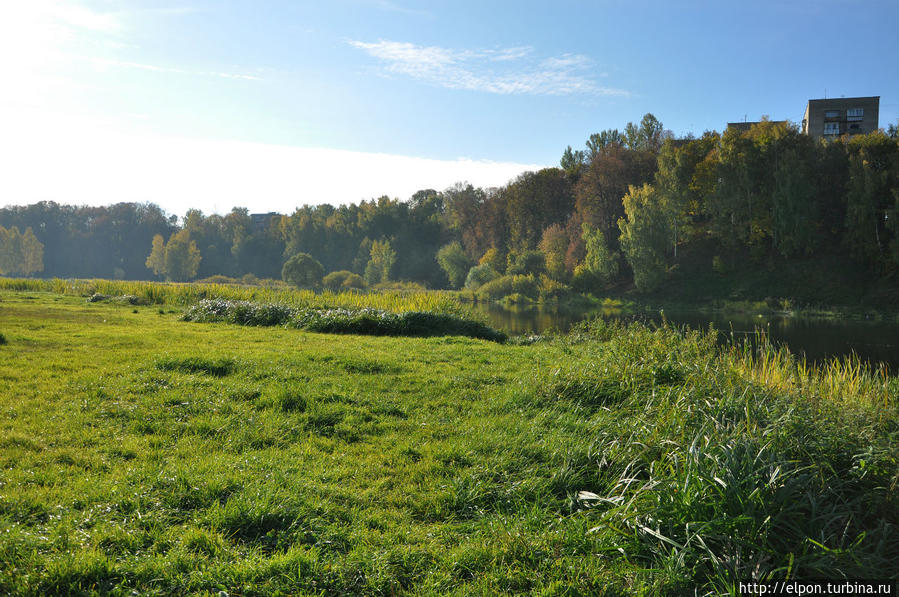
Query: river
x=818 y=338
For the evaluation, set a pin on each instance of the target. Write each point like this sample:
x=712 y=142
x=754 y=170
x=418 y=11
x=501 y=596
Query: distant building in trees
x=831 y=118
x=262 y=221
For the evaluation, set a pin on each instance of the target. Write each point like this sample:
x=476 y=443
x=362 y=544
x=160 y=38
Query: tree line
x=626 y=207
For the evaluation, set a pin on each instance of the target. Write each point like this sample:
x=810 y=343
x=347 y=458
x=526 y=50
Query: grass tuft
x=215 y=367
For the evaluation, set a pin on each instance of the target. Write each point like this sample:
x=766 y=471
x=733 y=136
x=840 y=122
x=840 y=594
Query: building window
x=831 y=128
x=855 y=114
x=831 y=114
x=854 y=127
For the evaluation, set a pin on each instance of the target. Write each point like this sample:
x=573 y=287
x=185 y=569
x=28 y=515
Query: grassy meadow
x=145 y=454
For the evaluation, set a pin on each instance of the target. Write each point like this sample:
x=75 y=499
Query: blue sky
x=273 y=104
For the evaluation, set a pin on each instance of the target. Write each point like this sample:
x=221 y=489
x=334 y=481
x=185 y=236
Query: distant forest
x=626 y=207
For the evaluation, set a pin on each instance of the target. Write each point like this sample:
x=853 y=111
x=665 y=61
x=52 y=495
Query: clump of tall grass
x=839 y=380
x=718 y=466
x=3 y=339
x=365 y=321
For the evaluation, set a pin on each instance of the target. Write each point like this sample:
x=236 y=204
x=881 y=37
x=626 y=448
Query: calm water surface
x=819 y=339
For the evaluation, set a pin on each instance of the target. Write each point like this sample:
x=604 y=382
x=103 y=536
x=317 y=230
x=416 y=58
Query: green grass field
x=143 y=454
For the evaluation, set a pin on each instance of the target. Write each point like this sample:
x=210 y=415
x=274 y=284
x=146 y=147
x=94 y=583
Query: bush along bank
x=364 y=321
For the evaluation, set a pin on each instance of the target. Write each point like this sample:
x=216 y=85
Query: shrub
x=525 y=285
x=527 y=263
x=303 y=271
x=552 y=289
x=480 y=275
x=218 y=279
x=501 y=287
x=496 y=289
x=516 y=299
x=342 y=279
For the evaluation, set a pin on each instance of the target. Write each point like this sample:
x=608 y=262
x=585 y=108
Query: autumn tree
x=494 y=258
x=156 y=259
x=182 y=257
x=554 y=245
x=534 y=201
x=178 y=260
x=605 y=181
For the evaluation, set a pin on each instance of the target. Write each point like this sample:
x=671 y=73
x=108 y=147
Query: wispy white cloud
x=167 y=69
x=502 y=71
x=74 y=15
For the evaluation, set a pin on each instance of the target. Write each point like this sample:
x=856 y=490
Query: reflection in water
x=818 y=339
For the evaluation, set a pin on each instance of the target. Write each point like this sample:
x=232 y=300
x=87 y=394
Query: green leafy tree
x=572 y=161
x=599 y=261
x=645 y=235
x=893 y=226
x=794 y=203
x=303 y=271
x=454 y=262
x=597 y=141
x=646 y=136
x=380 y=263
x=873 y=175
x=681 y=179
